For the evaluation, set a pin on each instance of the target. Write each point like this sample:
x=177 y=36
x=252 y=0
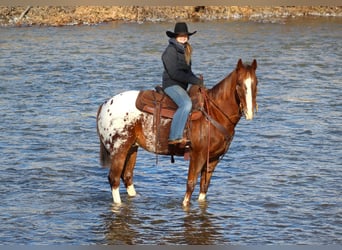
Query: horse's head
x=246 y=88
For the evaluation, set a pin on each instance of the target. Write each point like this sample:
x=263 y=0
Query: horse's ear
x=254 y=64
x=239 y=64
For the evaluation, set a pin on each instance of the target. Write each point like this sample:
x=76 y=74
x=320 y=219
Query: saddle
x=158 y=102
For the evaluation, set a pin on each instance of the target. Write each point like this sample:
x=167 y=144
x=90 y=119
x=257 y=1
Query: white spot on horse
x=186 y=200
x=149 y=133
x=116 y=195
x=201 y=197
x=116 y=115
x=131 y=190
x=249 y=101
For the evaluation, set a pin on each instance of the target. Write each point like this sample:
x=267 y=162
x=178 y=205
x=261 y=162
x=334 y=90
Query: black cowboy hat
x=180 y=29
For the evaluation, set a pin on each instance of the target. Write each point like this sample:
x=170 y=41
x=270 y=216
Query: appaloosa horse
x=122 y=128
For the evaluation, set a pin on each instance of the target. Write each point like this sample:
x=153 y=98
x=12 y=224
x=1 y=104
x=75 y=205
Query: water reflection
x=125 y=224
x=201 y=227
x=119 y=225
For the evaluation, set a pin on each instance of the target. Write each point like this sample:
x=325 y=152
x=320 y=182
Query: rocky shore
x=90 y=15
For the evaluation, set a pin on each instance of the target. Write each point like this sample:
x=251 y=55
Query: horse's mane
x=223 y=86
x=227 y=84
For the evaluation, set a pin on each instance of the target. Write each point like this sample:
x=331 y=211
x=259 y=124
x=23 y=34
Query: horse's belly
x=116 y=116
x=155 y=134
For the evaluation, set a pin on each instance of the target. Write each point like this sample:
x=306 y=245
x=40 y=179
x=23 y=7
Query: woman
x=177 y=76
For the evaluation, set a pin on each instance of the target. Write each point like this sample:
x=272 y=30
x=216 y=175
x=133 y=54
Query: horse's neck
x=225 y=97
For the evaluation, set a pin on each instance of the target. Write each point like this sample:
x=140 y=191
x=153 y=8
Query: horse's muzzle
x=249 y=114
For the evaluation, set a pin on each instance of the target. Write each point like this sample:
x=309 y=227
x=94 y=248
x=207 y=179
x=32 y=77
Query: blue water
x=280 y=182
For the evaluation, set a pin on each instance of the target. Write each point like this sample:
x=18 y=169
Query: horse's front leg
x=127 y=175
x=195 y=166
x=206 y=174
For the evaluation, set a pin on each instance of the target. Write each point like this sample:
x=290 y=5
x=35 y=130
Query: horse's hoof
x=131 y=190
x=186 y=203
x=201 y=197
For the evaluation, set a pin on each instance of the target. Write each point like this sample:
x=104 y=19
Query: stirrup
x=182 y=141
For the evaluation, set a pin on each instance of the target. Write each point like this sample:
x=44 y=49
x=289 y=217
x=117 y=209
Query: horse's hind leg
x=114 y=175
x=119 y=160
x=127 y=175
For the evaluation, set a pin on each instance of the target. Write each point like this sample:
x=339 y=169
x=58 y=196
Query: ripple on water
x=279 y=183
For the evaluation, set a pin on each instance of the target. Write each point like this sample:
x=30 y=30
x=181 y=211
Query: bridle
x=220 y=127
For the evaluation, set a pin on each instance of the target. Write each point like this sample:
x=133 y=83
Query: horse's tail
x=105 y=159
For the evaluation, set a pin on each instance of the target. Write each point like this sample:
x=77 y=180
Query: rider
x=177 y=76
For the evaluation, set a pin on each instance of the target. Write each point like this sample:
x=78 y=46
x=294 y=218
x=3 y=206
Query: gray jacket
x=176 y=71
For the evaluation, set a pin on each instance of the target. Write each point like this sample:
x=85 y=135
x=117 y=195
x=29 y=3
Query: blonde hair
x=187 y=53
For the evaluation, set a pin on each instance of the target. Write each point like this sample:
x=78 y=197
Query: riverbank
x=90 y=15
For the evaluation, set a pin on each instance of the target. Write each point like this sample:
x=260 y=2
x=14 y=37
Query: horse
x=122 y=128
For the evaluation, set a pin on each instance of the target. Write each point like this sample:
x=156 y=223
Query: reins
x=216 y=124
x=205 y=96
x=228 y=137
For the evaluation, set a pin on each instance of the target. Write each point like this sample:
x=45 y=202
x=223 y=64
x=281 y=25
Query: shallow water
x=280 y=182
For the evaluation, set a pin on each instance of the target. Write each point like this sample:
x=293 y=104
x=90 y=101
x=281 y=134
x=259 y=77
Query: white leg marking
x=201 y=197
x=186 y=201
x=131 y=190
x=249 y=112
x=116 y=195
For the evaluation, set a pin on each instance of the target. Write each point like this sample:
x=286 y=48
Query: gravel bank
x=89 y=15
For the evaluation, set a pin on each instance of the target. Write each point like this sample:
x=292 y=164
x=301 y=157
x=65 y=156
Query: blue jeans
x=183 y=101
